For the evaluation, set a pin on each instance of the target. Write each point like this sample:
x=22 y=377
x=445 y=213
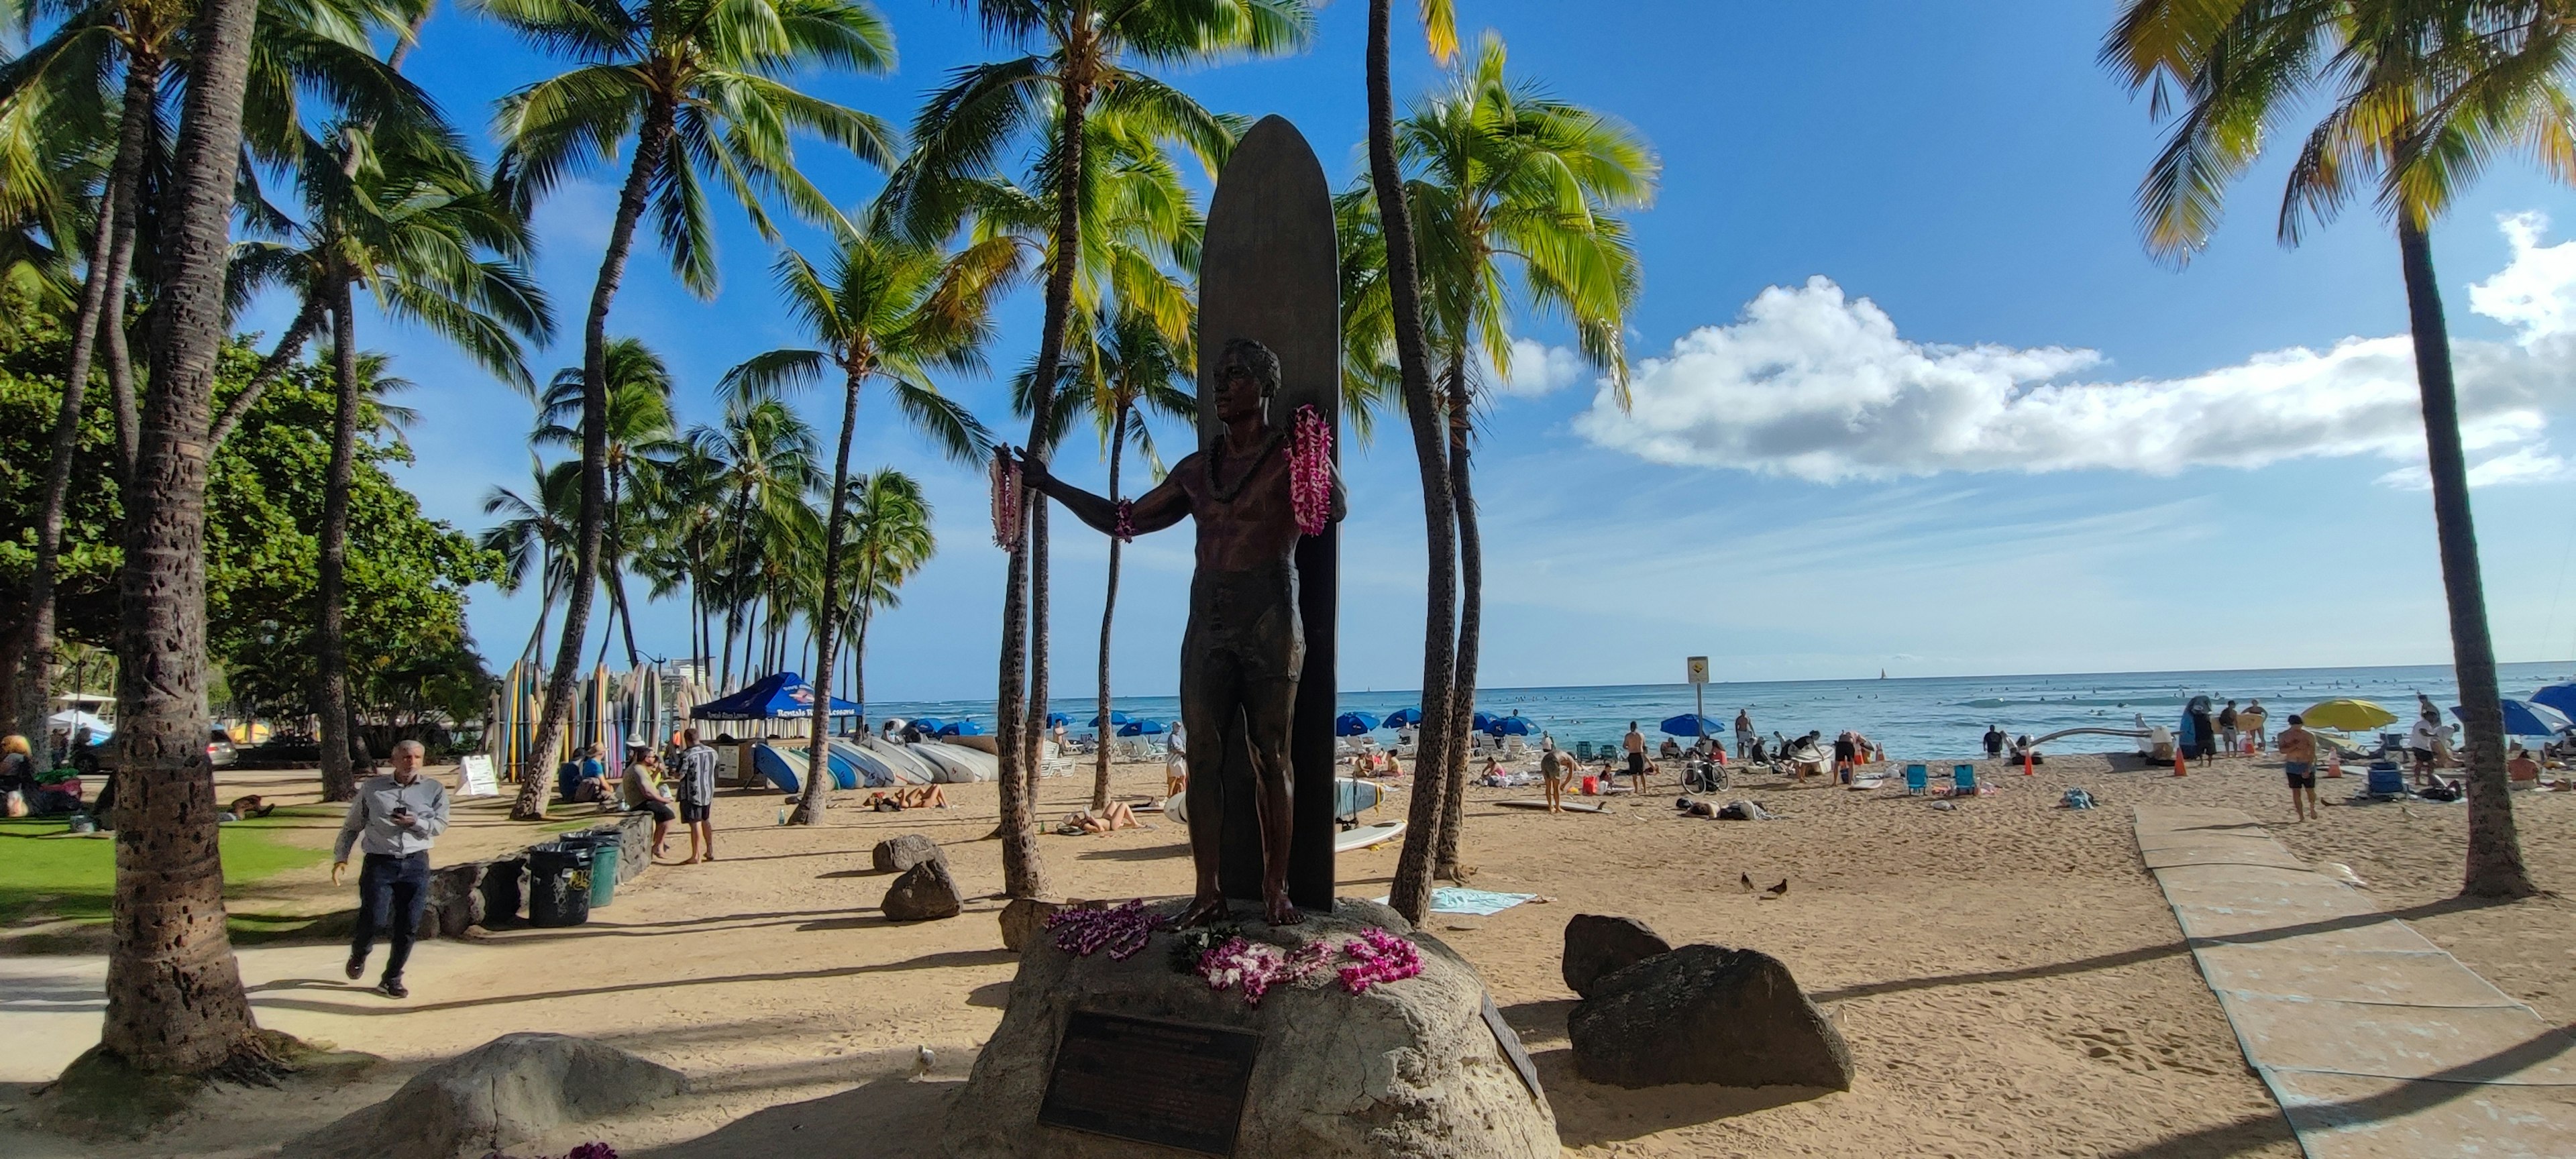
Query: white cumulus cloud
x=1812 y=384
x=1537 y=369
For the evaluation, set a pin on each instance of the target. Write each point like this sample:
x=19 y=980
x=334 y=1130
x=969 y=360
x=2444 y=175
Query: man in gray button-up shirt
x=392 y=822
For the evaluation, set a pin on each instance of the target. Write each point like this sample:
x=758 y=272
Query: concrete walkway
x=2375 y=1041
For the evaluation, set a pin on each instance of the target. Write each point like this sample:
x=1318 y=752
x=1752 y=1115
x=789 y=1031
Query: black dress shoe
x=393 y=988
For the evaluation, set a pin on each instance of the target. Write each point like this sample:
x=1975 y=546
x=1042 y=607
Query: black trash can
x=558 y=884
x=602 y=844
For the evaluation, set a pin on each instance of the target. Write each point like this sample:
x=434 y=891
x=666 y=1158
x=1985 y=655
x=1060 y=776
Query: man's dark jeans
x=392 y=891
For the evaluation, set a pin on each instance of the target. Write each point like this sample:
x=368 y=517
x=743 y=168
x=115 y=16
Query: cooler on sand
x=2386 y=779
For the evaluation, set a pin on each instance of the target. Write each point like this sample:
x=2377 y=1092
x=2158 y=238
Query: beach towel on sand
x=1450 y=899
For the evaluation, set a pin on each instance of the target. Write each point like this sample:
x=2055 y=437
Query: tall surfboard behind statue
x=1268 y=271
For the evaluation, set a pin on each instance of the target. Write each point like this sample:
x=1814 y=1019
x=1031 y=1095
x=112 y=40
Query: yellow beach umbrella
x=2348 y=715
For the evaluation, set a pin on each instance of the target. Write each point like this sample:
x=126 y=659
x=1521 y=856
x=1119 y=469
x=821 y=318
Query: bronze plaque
x=1171 y=1083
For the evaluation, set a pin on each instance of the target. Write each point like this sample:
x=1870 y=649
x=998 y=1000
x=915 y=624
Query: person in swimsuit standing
x=1245 y=645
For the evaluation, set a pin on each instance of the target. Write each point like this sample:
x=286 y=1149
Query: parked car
x=220 y=751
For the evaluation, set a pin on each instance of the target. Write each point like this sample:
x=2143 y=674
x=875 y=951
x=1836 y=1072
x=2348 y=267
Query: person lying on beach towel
x=915 y=797
x=1117 y=816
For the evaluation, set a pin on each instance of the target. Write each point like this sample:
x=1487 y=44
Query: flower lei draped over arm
x=1006 y=500
x=1310 y=471
x=1126 y=529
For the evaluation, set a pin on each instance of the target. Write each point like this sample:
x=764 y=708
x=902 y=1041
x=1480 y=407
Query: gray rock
x=1706 y=1014
x=897 y=854
x=1024 y=921
x=455 y=901
x=1596 y=945
x=1408 y=1069
x=504 y=1092
x=924 y=891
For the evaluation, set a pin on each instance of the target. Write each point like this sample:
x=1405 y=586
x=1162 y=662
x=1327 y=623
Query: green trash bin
x=603 y=870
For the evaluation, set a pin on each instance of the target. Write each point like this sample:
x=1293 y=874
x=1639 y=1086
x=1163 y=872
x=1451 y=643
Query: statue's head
x=1247 y=374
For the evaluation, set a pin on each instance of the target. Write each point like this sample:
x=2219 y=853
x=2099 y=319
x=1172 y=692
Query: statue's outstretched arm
x=1161 y=507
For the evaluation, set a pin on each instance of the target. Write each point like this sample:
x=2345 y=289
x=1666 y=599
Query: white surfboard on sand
x=1569 y=806
x=1367 y=836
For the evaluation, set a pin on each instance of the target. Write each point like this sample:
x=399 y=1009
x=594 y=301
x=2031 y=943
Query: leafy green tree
x=2415 y=99
x=1082 y=55
x=884 y=309
x=702 y=87
x=643 y=436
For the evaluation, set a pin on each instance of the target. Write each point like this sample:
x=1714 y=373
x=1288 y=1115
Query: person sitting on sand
x=1671 y=750
x=251 y=806
x=2299 y=762
x=1116 y=817
x=1556 y=767
x=2522 y=771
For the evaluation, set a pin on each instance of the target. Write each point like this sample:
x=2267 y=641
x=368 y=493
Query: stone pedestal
x=1411 y=1068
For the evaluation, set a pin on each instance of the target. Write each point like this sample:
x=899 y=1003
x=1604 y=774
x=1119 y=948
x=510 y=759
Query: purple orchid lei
x=1006 y=500
x=1126 y=529
x=1121 y=930
x=1310 y=471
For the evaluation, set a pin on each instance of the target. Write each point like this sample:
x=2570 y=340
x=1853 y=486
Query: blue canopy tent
x=1513 y=725
x=1689 y=724
x=777 y=696
x=1404 y=718
x=1141 y=728
x=961 y=728
x=2523 y=718
x=2559 y=696
x=1115 y=717
x=1354 y=724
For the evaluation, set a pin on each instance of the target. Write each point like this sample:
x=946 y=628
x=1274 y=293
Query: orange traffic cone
x=2178 y=767
x=2025 y=762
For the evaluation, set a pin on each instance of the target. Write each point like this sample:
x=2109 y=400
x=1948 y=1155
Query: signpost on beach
x=1699 y=692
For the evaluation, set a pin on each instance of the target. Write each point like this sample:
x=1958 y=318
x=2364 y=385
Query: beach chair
x=1918 y=780
x=1513 y=749
x=1963 y=780
x=1583 y=751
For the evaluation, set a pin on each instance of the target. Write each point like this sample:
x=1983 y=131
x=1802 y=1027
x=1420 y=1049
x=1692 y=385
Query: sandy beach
x=2008 y=976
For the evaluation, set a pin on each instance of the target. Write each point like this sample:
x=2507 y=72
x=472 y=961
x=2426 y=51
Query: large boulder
x=897 y=854
x=1024 y=921
x=1411 y=1068
x=1706 y=1014
x=1596 y=945
x=925 y=891
x=506 y=1091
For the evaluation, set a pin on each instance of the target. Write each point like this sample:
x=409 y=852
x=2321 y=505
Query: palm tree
x=701 y=86
x=683 y=509
x=768 y=455
x=405 y=212
x=362 y=382
x=885 y=309
x=2417 y=98
x=887 y=538
x=534 y=539
x=642 y=437
x=175 y=1003
x=1410 y=892
x=1081 y=58
x=1131 y=364
x=319 y=47
x=1512 y=188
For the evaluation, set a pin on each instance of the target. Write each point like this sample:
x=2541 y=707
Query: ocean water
x=1921 y=717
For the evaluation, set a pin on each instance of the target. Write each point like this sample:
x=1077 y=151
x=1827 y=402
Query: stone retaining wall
x=483 y=893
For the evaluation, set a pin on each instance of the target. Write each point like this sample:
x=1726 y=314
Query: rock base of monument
x=1412 y=1068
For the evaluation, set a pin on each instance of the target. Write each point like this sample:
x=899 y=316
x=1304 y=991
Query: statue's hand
x=1032 y=469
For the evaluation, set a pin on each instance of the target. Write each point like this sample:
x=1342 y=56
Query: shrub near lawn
x=46 y=874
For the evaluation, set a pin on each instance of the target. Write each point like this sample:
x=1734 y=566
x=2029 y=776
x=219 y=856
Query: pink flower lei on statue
x=1006 y=500
x=1310 y=471
x=1255 y=968
x=1126 y=528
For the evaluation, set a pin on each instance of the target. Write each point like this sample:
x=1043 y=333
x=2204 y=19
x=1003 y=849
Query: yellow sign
x=1699 y=669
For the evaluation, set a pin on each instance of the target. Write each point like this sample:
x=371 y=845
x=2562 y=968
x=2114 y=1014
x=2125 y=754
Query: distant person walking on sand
x=1995 y=739
x=2419 y=743
x=393 y=822
x=2227 y=722
x=2251 y=720
x=641 y=793
x=1635 y=746
x=2299 y=763
x=1745 y=738
x=698 y=796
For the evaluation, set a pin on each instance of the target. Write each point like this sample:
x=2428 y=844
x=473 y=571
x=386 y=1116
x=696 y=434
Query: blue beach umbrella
x=1354 y=724
x=1056 y=718
x=1141 y=728
x=1403 y=717
x=1481 y=722
x=961 y=728
x=929 y=724
x=2559 y=696
x=1690 y=725
x=1513 y=725
x=2523 y=718
x=1115 y=717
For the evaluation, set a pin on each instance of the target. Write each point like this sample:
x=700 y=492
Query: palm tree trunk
x=1410 y=893
x=140 y=123
x=331 y=652
x=1036 y=736
x=617 y=574
x=1108 y=613
x=1023 y=875
x=2495 y=866
x=535 y=652
x=175 y=1003
x=102 y=298
x=1471 y=603
x=651 y=143
x=289 y=344
x=818 y=767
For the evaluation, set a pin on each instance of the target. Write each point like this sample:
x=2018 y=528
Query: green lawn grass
x=75 y=877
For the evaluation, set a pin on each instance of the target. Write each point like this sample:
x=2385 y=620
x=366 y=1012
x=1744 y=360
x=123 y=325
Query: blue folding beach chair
x=1963 y=780
x=1918 y=780
x=1583 y=751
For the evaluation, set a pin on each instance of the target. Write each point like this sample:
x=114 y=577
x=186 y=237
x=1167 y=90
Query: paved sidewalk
x=2376 y=1042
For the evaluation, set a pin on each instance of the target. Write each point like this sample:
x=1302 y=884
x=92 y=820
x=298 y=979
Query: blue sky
x=1910 y=394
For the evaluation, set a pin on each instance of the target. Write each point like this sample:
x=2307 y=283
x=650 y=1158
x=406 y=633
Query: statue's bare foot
x=1281 y=911
x=1203 y=911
